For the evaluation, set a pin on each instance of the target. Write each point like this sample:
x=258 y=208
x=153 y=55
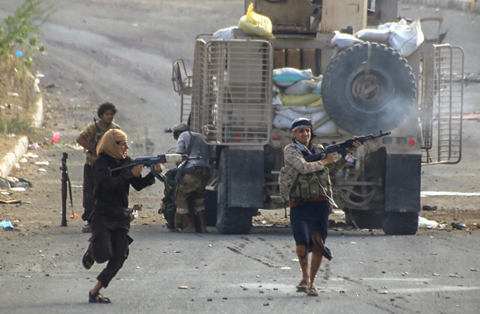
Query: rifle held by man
x=342 y=148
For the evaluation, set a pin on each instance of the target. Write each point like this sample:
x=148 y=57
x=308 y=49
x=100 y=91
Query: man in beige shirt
x=89 y=138
x=307 y=186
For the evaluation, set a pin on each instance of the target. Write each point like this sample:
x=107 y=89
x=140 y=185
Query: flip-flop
x=312 y=291
x=302 y=286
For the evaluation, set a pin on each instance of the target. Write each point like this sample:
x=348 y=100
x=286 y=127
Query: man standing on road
x=89 y=139
x=307 y=186
x=192 y=177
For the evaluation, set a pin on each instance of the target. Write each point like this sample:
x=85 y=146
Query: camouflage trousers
x=192 y=186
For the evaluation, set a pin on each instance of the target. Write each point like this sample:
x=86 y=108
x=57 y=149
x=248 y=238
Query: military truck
x=365 y=88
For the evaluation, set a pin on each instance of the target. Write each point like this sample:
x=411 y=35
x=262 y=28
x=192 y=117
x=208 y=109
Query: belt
x=301 y=201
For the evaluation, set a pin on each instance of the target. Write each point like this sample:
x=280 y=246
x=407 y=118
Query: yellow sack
x=299 y=100
x=255 y=24
x=317 y=103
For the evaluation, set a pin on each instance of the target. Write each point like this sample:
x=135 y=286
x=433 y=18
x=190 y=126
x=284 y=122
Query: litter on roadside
x=10 y=202
x=7 y=225
x=425 y=223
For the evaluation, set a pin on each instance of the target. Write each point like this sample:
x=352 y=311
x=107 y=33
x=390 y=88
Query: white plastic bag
x=342 y=41
x=224 y=33
x=405 y=39
x=373 y=35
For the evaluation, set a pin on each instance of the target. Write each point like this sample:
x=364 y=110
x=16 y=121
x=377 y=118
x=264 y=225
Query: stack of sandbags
x=298 y=94
x=403 y=37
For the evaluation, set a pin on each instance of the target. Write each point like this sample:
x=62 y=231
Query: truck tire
x=211 y=208
x=401 y=223
x=364 y=219
x=230 y=220
x=364 y=104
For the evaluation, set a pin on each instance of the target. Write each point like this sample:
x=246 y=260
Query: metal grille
x=236 y=89
x=441 y=96
x=197 y=86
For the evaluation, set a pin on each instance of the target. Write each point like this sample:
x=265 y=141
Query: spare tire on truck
x=367 y=88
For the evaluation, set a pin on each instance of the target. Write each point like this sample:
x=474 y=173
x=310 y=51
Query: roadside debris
x=458 y=225
x=10 y=202
x=7 y=226
x=425 y=223
x=55 y=138
x=15 y=184
x=429 y=208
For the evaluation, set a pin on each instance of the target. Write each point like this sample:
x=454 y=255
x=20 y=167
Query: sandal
x=88 y=260
x=97 y=298
x=302 y=286
x=312 y=291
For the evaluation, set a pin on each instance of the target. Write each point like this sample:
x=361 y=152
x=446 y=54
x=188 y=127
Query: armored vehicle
x=365 y=88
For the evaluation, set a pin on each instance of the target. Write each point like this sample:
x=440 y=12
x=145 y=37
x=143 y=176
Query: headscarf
x=301 y=123
x=108 y=144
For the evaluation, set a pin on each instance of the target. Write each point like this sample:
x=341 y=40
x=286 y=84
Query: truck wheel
x=211 y=208
x=367 y=88
x=230 y=220
x=364 y=219
x=400 y=223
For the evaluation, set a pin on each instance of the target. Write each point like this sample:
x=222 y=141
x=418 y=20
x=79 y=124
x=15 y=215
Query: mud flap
x=245 y=186
x=403 y=183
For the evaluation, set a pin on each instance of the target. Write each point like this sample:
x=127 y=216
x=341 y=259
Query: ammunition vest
x=93 y=143
x=312 y=185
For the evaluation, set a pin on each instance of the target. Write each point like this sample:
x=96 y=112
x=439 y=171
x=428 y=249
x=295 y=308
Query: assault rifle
x=152 y=161
x=65 y=191
x=342 y=148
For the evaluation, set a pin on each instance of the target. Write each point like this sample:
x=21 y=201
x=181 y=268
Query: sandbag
x=373 y=35
x=282 y=122
x=276 y=101
x=301 y=88
x=405 y=39
x=289 y=76
x=291 y=115
x=328 y=127
x=298 y=100
x=255 y=24
x=317 y=103
x=298 y=109
x=342 y=41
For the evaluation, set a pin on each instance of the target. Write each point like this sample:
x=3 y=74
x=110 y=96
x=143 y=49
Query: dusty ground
x=71 y=94
x=39 y=208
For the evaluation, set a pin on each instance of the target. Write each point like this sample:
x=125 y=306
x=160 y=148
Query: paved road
x=256 y=273
x=122 y=51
